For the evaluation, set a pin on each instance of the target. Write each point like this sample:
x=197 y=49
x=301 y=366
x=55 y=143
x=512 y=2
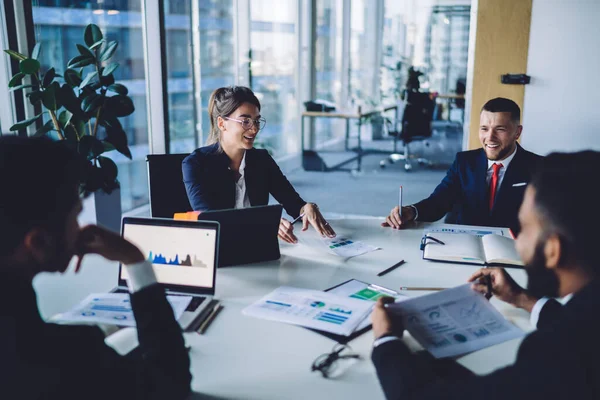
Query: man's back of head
x=566 y=205
x=38 y=187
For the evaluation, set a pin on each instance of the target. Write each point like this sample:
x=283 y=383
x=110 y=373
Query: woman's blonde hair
x=223 y=102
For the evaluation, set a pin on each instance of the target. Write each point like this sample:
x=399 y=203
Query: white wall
x=562 y=102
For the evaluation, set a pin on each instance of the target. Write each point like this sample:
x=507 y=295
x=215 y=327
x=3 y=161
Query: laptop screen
x=183 y=253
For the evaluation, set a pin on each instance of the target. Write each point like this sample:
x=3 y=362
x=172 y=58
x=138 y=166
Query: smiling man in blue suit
x=485 y=186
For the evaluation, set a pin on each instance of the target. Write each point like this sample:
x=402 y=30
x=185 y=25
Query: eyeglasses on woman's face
x=249 y=123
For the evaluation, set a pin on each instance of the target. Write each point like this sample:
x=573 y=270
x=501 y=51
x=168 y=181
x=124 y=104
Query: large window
x=274 y=55
x=188 y=114
x=59 y=26
x=328 y=66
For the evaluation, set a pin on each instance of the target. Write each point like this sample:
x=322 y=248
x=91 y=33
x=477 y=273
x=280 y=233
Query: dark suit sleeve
x=195 y=183
x=549 y=313
x=537 y=374
x=445 y=195
x=282 y=190
x=158 y=369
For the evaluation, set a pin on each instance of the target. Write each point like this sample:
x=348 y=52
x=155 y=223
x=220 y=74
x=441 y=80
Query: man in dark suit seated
x=484 y=186
x=558 y=243
x=39 y=232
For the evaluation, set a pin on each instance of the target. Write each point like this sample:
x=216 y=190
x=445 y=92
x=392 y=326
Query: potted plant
x=82 y=108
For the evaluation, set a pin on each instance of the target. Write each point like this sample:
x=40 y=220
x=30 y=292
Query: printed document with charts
x=454 y=321
x=471 y=249
x=312 y=309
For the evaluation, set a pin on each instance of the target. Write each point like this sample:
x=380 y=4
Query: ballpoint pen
x=209 y=319
x=488 y=282
x=393 y=267
x=298 y=218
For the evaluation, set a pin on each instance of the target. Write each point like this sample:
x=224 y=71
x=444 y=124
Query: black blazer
x=210 y=184
x=48 y=361
x=558 y=361
x=465 y=192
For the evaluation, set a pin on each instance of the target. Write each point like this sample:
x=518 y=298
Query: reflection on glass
x=59 y=25
x=216 y=61
x=328 y=66
x=361 y=67
x=274 y=55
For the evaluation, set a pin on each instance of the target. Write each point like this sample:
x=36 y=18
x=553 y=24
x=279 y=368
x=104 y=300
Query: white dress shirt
x=139 y=275
x=241 y=196
x=501 y=171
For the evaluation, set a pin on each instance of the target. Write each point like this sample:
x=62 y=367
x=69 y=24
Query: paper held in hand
x=454 y=322
x=472 y=249
x=312 y=309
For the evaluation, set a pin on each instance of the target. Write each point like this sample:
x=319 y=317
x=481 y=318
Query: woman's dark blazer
x=210 y=183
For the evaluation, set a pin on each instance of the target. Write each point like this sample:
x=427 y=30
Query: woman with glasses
x=231 y=173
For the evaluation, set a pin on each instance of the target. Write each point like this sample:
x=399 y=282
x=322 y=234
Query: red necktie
x=494 y=184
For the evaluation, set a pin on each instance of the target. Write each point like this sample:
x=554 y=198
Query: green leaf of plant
x=25 y=123
x=15 y=80
x=107 y=80
x=35 y=97
x=91 y=102
x=47 y=127
x=109 y=168
x=108 y=51
x=108 y=146
x=72 y=77
x=70 y=101
x=15 y=54
x=90 y=147
x=109 y=69
x=97 y=44
x=80 y=61
x=118 y=138
x=64 y=118
x=84 y=51
x=50 y=98
x=35 y=53
x=87 y=79
x=118 y=88
x=29 y=66
x=120 y=106
x=92 y=34
x=21 y=87
x=48 y=77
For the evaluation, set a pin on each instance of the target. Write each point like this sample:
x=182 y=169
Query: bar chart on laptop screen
x=179 y=256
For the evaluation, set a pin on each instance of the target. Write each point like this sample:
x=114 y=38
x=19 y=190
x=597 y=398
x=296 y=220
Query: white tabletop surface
x=241 y=357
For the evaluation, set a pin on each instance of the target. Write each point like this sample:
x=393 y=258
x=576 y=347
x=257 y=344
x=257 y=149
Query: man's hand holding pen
x=497 y=282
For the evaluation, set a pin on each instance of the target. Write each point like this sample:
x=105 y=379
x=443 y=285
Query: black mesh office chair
x=165 y=182
x=415 y=125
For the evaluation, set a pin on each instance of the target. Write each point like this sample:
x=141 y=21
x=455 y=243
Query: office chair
x=415 y=125
x=165 y=183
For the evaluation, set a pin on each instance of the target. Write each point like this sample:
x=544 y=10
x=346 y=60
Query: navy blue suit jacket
x=210 y=184
x=557 y=361
x=465 y=192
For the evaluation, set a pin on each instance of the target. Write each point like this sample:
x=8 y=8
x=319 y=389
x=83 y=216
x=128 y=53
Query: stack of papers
x=454 y=322
x=312 y=309
x=112 y=309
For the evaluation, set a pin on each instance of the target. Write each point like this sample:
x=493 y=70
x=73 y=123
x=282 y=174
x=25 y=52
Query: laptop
x=184 y=257
x=248 y=235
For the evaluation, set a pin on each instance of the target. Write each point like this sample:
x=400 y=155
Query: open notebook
x=471 y=249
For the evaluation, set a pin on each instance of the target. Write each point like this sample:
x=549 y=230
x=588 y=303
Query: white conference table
x=246 y=358
x=240 y=357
